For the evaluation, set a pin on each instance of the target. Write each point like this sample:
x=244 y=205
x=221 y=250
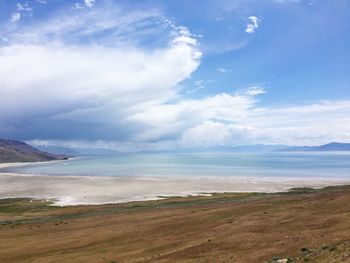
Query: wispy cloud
x=253 y=91
x=15 y=17
x=199 y=85
x=223 y=70
x=106 y=25
x=23 y=7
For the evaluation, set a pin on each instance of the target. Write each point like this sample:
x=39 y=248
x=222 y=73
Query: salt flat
x=79 y=190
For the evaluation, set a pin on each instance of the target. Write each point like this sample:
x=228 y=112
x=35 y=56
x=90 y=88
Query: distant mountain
x=15 y=151
x=333 y=146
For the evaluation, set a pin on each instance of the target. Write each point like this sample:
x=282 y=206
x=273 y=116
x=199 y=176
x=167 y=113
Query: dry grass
x=229 y=227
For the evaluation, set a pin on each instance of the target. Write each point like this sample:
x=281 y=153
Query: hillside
x=15 y=151
x=303 y=225
x=333 y=146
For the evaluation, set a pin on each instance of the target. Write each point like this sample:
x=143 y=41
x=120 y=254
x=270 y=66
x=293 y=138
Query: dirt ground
x=302 y=225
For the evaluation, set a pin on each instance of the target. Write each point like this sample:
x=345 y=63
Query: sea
x=273 y=164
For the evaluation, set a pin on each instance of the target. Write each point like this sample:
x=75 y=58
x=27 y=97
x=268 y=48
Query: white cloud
x=182 y=34
x=206 y=134
x=89 y=3
x=172 y=120
x=298 y=125
x=67 y=78
x=253 y=91
x=199 y=85
x=15 y=17
x=23 y=7
x=104 y=82
x=253 y=23
x=19 y=7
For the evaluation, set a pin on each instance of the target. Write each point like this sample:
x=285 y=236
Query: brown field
x=304 y=225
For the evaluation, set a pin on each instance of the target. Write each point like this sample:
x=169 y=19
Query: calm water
x=295 y=165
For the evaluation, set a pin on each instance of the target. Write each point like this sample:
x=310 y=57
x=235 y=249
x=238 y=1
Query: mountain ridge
x=332 y=146
x=16 y=151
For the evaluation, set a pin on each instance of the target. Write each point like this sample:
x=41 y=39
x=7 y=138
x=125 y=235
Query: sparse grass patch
x=23 y=205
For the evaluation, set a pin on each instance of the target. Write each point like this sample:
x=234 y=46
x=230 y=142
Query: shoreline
x=73 y=190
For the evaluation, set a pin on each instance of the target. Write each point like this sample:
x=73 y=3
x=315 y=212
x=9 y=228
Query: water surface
x=278 y=164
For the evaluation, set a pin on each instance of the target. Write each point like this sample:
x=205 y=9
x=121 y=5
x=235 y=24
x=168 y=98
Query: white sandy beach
x=82 y=190
x=6 y=165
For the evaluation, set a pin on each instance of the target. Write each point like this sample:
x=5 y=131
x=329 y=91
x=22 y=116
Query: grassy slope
x=229 y=227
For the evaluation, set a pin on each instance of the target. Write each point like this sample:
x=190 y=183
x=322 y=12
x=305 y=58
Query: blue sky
x=156 y=75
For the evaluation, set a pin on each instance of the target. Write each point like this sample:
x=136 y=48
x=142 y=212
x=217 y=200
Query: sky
x=162 y=75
